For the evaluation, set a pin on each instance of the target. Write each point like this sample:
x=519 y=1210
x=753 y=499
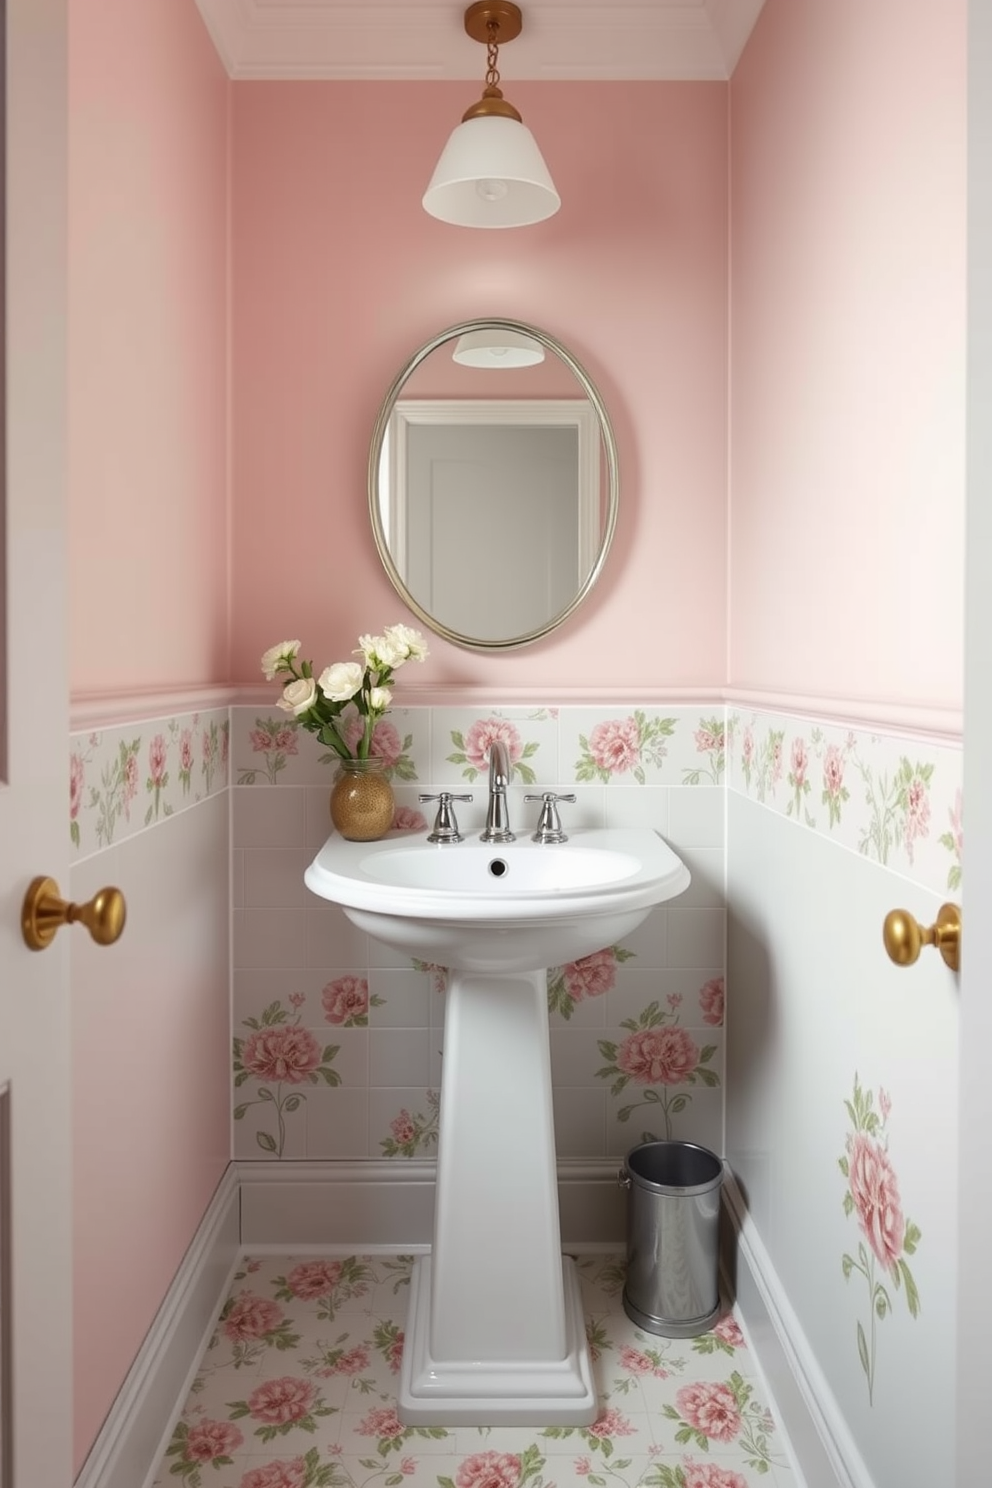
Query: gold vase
x=362 y=801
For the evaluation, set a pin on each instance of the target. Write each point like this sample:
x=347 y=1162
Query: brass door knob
x=44 y=911
x=904 y=937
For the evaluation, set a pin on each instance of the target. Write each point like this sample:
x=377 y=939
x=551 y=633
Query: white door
x=517 y=486
x=974 y=1365
x=35 y=1296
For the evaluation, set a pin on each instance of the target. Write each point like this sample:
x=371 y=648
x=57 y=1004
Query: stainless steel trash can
x=673 y=1235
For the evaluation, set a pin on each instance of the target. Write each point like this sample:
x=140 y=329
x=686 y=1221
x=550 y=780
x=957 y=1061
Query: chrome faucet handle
x=445 y=826
x=549 y=828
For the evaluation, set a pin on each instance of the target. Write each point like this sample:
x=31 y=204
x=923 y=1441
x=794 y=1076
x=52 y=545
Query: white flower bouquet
x=343 y=704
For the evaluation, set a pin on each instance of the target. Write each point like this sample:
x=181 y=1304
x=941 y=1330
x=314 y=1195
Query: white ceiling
x=399 y=39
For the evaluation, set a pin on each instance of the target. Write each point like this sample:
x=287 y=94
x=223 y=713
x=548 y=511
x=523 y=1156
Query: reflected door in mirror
x=492 y=539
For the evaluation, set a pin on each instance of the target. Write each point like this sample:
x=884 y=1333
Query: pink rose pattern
x=346 y=1002
x=301 y=1403
x=592 y=976
x=660 y=1056
x=887 y=1236
x=106 y=774
x=711 y=1000
x=281 y=1056
x=889 y=817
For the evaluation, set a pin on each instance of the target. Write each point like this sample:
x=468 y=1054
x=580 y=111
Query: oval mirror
x=493 y=484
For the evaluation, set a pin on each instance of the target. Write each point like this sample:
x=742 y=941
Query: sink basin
x=513 y=906
x=495 y=1332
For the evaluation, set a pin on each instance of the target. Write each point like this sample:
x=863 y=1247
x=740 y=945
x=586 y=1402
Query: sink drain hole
x=499 y=868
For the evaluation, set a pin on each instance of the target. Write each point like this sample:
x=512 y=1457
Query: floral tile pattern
x=124 y=779
x=296 y=1389
x=894 y=800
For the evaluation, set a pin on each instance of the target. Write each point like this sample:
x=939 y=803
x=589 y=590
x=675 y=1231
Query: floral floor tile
x=297 y=1389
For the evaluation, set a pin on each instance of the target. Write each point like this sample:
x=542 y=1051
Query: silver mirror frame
x=550 y=343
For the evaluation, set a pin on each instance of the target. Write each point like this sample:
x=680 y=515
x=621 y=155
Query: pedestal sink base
x=553 y=1392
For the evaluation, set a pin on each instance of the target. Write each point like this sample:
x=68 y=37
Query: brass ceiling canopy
x=493 y=22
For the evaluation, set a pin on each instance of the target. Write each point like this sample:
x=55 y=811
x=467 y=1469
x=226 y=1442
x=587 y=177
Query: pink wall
x=339 y=275
x=848 y=323
x=148 y=609
x=147 y=348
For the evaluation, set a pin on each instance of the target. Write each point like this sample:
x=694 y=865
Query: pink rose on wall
x=875 y=1191
x=346 y=1001
x=186 y=751
x=314 y=1278
x=833 y=770
x=711 y=1000
x=656 y=1056
x=251 y=1317
x=482 y=735
x=835 y=792
x=711 y=740
x=291 y=1054
x=157 y=758
x=711 y=1409
x=489 y=1470
x=130 y=782
x=275 y=741
x=209 y=1441
x=402 y=1128
x=615 y=745
x=872 y=1196
x=591 y=976
x=800 y=761
x=917 y=813
x=282 y=1474
x=283 y=1401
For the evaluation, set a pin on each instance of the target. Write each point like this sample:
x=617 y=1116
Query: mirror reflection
x=493 y=484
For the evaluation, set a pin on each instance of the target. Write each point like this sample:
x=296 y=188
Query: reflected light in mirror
x=497 y=349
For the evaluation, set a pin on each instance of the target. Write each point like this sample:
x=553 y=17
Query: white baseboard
x=134 y=1435
x=391 y=1202
x=805 y=1406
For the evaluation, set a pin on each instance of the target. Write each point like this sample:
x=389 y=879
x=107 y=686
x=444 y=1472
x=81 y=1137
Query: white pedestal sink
x=495 y=1333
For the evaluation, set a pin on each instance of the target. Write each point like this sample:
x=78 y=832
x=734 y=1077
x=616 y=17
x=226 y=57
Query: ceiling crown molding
x=601 y=40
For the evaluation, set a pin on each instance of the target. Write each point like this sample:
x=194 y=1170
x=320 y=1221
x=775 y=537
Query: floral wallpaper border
x=620 y=745
x=894 y=799
x=124 y=779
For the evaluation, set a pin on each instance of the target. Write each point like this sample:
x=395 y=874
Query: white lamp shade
x=497 y=349
x=491 y=174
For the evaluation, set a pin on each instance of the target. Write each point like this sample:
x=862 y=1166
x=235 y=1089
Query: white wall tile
x=273 y=878
x=270 y=937
x=696 y=816
x=399 y=1056
x=268 y=816
x=695 y=937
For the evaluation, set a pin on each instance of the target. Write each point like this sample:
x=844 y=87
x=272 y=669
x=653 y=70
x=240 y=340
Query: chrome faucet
x=497 y=828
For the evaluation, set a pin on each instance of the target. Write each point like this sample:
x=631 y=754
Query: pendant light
x=491 y=172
